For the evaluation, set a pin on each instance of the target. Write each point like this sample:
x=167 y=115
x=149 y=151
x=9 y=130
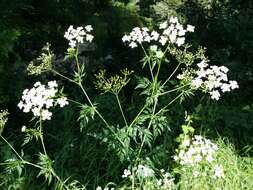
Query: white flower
x=133 y=45
x=72 y=43
x=218 y=171
x=89 y=37
x=144 y=171
x=186 y=142
x=202 y=64
x=154 y=35
x=225 y=87
x=52 y=84
x=215 y=95
x=126 y=173
x=23 y=129
x=163 y=40
x=180 y=41
x=181 y=32
x=173 y=20
x=209 y=158
x=163 y=25
x=78 y=35
x=159 y=54
x=233 y=85
x=197 y=82
x=88 y=28
x=224 y=69
x=99 y=188
x=173 y=36
x=62 y=101
x=46 y=115
x=190 y=28
x=126 y=38
x=153 y=48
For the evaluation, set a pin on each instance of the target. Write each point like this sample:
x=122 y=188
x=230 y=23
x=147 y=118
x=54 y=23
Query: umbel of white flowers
x=41 y=98
x=78 y=35
x=196 y=150
x=171 y=32
x=213 y=79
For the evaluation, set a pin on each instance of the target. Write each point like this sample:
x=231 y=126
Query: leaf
x=143 y=83
x=86 y=113
x=14 y=164
x=46 y=167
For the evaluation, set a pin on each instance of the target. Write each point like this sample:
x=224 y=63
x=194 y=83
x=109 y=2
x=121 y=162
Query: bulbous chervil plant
x=134 y=139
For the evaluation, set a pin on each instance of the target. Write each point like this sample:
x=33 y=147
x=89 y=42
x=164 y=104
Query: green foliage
x=46 y=167
x=86 y=113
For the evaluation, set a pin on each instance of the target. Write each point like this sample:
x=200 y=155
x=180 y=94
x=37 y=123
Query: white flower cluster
x=213 y=79
x=139 y=35
x=144 y=171
x=166 y=182
x=78 y=35
x=196 y=150
x=40 y=98
x=172 y=31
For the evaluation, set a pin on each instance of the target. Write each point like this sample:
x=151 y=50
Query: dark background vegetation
x=224 y=27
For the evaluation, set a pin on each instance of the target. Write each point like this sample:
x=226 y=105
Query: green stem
x=77 y=61
x=41 y=136
x=63 y=76
x=76 y=102
x=175 y=89
x=149 y=64
x=167 y=80
x=121 y=110
x=137 y=116
x=12 y=148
